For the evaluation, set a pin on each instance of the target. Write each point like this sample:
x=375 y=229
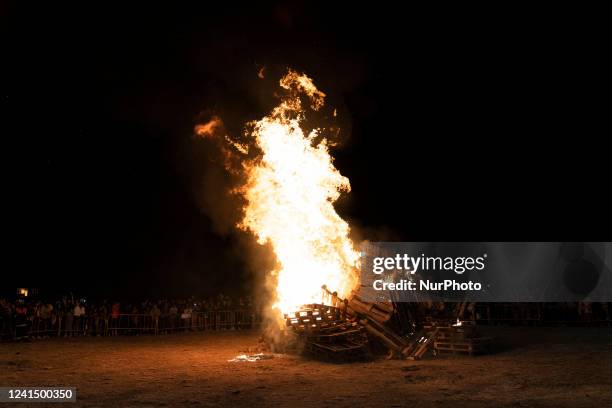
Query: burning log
x=324 y=331
x=356 y=306
x=373 y=316
x=341 y=331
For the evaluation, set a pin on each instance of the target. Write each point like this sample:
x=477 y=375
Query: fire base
x=325 y=332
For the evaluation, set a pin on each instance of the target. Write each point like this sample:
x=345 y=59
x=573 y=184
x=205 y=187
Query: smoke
x=222 y=156
x=215 y=191
x=214 y=186
x=362 y=234
x=217 y=161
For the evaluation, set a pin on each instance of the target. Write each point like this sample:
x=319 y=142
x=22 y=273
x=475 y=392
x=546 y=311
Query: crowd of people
x=70 y=316
x=26 y=318
x=580 y=313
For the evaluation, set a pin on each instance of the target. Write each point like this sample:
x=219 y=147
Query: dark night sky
x=461 y=128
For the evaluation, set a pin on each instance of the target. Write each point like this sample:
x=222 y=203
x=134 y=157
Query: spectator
x=6 y=314
x=155 y=313
x=21 y=320
x=45 y=318
x=186 y=317
x=104 y=314
x=173 y=316
x=115 y=314
x=134 y=319
x=68 y=319
x=79 y=315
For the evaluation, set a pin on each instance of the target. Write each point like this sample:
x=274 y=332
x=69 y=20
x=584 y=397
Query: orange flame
x=290 y=192
x=209 y=128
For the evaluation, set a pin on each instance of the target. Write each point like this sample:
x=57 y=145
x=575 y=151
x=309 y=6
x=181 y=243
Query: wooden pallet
x=421 y=342
x=457 y=331
x=345 y=344
x=472 y=346
x=314 y=318
x=325 y=332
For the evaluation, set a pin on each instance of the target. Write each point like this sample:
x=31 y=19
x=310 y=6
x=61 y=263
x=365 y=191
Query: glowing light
x=290 y=192
x=290 y=189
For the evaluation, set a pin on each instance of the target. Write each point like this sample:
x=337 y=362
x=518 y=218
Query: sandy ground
x=533 y=367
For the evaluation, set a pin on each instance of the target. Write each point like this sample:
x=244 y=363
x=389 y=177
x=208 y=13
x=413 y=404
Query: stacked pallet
x=461 y=339
x=325 y=332
x=312 y=318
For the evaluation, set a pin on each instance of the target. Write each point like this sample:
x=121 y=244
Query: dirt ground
x=533 y=367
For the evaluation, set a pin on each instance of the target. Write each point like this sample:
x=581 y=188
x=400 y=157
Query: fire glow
x=290 y=190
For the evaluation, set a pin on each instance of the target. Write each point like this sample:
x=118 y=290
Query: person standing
x=68 y=317
x=79 y=314
x=173 y=316
x=186 y=317
x=155 y=313
x=104 y=317
x=5 y=318
x=21 y=320
x=45 y=318
x=115 y=313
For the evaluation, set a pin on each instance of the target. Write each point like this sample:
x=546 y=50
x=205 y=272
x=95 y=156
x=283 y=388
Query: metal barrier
x=20 y=327
x=129 y=324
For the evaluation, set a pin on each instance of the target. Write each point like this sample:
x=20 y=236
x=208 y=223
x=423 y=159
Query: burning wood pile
x=283 y=176
x=327 y=332
x=343 y=331
x=347 y=330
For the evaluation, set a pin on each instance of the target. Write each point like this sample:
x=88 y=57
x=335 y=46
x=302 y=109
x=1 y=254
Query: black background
x=463 y=124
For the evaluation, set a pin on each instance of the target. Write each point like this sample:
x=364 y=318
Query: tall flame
x=290 y=191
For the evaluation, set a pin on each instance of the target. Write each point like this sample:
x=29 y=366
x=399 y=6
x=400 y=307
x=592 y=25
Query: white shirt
x=79 y=310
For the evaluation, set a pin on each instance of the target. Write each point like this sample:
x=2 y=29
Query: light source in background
x=22 y=292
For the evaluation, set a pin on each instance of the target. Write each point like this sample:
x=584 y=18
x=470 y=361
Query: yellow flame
x=290 y=193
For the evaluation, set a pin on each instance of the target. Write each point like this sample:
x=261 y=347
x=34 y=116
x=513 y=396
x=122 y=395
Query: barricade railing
x=136 y=324
x=128 y=324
